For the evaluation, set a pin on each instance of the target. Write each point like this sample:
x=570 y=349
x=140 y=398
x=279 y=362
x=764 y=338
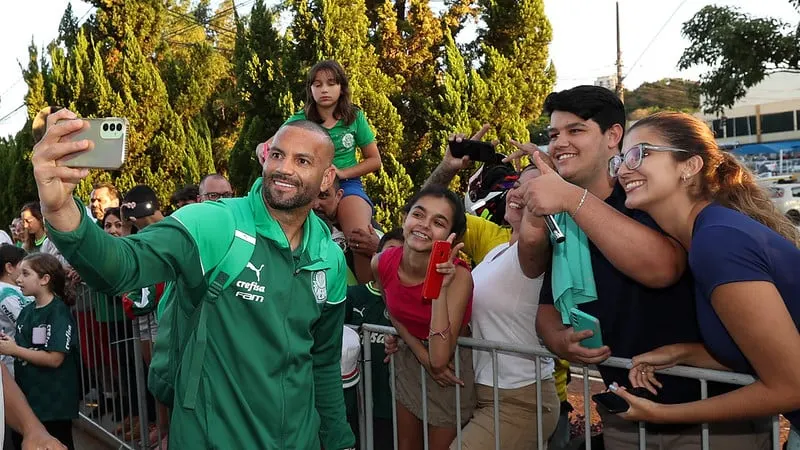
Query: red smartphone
x=440 y=253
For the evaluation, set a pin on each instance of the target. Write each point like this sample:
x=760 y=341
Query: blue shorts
x=354 y=186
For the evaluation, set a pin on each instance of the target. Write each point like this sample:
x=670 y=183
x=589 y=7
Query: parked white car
x=786 y=197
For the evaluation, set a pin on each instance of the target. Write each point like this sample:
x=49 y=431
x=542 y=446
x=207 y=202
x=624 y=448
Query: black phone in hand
x=611 y=402
x=615 y=404
x=476 y=150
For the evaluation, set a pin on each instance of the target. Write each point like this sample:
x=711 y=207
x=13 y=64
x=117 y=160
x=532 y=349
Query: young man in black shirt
x=645 y=296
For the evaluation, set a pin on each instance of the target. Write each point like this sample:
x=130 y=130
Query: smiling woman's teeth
x=633 y=184
x=565 y=156
x=419 y=235
x=514 y=205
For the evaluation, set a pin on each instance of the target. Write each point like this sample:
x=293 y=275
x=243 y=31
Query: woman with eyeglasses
x=744 y=257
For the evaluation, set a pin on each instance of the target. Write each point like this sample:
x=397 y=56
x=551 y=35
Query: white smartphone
x=108 y=146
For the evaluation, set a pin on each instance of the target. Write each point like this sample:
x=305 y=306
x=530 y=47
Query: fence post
x=703 y=396
x=366 y=341
x=141 y=389
x=495 y=400
x=424 y=383
x=587 y=409
x=539 y=424
x=458 y=396
x=394 y=400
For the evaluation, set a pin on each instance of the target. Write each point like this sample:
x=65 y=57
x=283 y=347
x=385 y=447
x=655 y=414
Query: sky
x=583 y=46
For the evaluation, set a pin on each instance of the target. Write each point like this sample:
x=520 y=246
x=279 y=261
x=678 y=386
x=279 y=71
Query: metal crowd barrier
x=366 y=421
x=115 y=406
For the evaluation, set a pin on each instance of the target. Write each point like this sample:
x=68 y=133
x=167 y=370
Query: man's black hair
x=187 y=193
x=589 y=103
x=396 y=234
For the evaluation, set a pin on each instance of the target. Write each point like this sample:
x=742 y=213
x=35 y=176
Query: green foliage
x=740 y=51
x=672 y=94
x=201 y=88
x=263 y=91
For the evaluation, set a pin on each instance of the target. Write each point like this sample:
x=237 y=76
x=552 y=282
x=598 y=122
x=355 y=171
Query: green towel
x=572 y=276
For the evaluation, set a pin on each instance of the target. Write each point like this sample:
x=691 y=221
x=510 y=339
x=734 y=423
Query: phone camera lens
x=105 y=127
x=119 y=127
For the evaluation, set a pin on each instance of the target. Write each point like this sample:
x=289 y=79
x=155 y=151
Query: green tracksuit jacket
x=271 y=374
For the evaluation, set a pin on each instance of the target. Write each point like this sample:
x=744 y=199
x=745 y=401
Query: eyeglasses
x=633 y=157
x=214 y=196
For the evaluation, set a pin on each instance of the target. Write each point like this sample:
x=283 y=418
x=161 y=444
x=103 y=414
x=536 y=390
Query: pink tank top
x=405 y=303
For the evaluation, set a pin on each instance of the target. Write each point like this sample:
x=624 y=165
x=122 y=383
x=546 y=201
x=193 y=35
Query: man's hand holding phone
x=54 y=181
x=569 y=347
x=455 y=164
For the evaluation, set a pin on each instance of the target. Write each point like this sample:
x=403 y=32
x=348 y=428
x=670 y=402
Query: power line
x=4 y=118
x=84 y=16
x=649 y=44
x=12 y=86
x=195 y=22
x=215 y=16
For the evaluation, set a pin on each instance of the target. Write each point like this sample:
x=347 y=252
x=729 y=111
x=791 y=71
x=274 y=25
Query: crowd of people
x=245 y=304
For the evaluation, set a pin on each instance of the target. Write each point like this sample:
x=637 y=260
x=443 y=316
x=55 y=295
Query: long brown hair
x=47 y=264
x=345 y=110
x=29 y=243
x=723 y=178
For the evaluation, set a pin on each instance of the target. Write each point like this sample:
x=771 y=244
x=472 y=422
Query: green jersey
x=51 y=392
x=345 y=138
x=365 y=305
x=271 y=375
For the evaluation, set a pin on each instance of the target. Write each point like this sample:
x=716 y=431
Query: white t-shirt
x=11 y=303
x=504 y=307
x=5 y=238
x=50 y=248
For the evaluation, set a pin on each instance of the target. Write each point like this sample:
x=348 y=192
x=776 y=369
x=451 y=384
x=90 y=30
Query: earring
x=684 y=177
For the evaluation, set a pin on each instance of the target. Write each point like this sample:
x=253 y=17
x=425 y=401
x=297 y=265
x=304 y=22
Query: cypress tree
x=263 y=89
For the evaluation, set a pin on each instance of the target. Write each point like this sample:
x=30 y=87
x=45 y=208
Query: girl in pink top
x=429 y=329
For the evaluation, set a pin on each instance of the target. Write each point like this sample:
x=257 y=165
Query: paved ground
x=84 y=441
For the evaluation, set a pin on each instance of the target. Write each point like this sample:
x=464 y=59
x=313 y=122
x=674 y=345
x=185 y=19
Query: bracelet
x=583 y=199
x=442 y=334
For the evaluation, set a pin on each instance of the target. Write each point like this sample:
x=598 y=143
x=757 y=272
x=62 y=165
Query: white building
x=608 y=82
x=765 y=120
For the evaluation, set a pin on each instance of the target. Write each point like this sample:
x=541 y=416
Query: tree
x=263 y=90
x=454 y=111
x=740 y=51
x=672 y=94
x=344 y=37
x=516 y=74
x=408 y=51
x=68 y=28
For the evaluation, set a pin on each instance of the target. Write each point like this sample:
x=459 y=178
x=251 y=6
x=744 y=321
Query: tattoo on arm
x=441 y=176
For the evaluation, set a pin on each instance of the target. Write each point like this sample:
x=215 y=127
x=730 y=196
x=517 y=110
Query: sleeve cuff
x=65 y=239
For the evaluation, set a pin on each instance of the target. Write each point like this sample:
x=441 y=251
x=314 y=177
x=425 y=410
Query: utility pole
x=619 y=91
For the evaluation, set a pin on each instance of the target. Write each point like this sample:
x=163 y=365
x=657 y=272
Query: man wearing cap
x=269 y=376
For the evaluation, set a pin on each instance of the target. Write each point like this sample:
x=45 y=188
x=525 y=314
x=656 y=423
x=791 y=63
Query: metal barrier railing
x=703 y=375
x=113 y=372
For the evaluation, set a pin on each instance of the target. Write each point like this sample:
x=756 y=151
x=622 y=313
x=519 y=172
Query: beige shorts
x=518 y=427
x=620 y=434
x=441 y=400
